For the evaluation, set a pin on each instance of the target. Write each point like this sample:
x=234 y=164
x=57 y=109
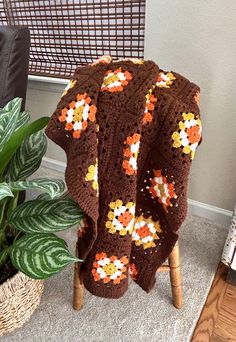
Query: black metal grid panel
x=67 y=33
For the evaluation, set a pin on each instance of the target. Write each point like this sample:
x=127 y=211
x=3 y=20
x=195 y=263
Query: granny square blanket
x=130 y=131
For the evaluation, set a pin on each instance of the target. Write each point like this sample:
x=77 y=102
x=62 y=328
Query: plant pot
x=19 y=297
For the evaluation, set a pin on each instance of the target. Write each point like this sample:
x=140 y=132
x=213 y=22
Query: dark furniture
x=14 y=61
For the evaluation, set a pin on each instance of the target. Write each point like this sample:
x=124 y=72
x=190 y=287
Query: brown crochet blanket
x=130 y=131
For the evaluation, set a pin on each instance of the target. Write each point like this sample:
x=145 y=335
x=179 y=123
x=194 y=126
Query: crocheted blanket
x=130 y=131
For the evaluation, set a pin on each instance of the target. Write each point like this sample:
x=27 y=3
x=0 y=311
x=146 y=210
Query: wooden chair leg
x=175 y=277
x=78 y=294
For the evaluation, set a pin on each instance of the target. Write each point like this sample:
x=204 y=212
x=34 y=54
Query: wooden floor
x=217 y=322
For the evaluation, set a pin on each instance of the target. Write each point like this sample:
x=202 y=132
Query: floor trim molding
x=219 y=215
x=53 y=164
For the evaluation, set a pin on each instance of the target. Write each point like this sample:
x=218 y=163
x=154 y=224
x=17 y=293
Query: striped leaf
x=8 y=120
x=28 y=157
x=17 y=139
x=23 y=119
x=4 y=112
x=52 y=187
x=5 y=191
x=8 y=107
x=45 y=216
x=43 y=197
x=40 y=256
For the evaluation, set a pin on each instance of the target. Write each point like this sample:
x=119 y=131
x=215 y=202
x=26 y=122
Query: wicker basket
x=19 y=297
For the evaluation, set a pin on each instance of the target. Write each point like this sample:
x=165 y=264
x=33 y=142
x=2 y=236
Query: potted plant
x=29 y=249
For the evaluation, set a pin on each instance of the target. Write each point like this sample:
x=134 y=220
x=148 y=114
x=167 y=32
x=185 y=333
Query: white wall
x=198 y=39
x=41 y=101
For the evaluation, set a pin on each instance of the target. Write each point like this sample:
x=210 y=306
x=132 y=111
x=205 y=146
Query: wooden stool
x=175 y=279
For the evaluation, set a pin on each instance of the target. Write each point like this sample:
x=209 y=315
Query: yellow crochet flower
x=181 y=125
x=188 y=116
x=137 y=60
x=188 y=135
x=177 y=143
x=129 y=205
x=120 y=217
x=175 y=136
x=110 y=215
x=92 y=175
x=70 y=85
x=108 y=224
x=187 y=149
x=165 y=80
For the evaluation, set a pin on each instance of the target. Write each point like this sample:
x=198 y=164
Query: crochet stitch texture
x=130 y=132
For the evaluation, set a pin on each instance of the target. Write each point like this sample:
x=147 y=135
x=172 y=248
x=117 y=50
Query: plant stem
x=13 y=203
x=4 y=216
x=2 y=211
x=3 y=241
x=16 y=237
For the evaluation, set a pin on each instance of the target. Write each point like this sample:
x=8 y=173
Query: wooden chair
x=173 y=267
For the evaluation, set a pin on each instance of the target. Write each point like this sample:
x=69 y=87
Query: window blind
x=67 y=33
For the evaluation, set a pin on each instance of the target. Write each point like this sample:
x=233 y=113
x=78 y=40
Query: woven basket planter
x=19 y=297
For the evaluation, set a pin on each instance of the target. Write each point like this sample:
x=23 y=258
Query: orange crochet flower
x=77 y=114
x=194 y=134
x=143 y=231
x=125 y=218
x=116 y=80
x=130 y=153
x=162 y=190
x=149 y=107
x=133 y=271
x=109 y=269
x=146 y=232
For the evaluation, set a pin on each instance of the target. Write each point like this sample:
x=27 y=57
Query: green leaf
x=23 y=119
x=45 y=216
x=8 y=107
x=17 y=138
x=40 y=255
x=28 y=157
x=4 y=112
x=8 y=120
x=4 y=255
x=52 y=187
x=43 y=197
x=5 y=191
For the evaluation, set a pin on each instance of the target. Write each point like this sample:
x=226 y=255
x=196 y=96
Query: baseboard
x=219 y=215
x=53 y=164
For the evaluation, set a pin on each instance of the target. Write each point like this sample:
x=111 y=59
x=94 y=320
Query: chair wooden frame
x=173 y=267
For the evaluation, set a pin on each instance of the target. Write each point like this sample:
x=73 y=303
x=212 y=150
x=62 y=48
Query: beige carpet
x=137 y=317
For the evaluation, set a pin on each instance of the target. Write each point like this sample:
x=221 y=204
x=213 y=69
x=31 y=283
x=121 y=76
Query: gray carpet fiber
x=137 y=316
